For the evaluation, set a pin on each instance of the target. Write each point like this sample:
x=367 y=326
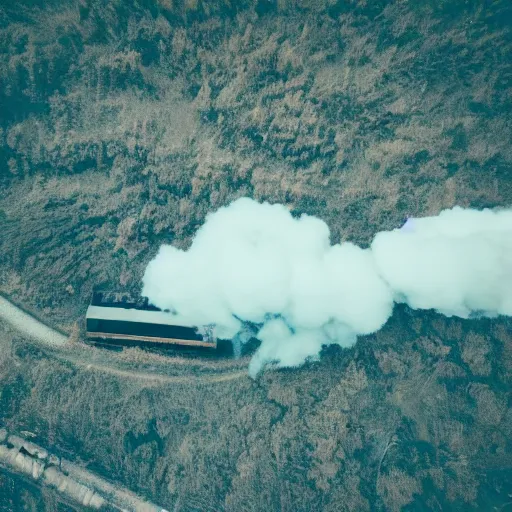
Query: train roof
x=126 y=307
x=135 y=315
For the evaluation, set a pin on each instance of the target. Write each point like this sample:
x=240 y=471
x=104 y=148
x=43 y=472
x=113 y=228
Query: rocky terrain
x=123 y=123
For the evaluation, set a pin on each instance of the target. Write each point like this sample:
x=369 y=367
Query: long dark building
x=118 y=318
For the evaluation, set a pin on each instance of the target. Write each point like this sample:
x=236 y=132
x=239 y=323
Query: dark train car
x=119 y=319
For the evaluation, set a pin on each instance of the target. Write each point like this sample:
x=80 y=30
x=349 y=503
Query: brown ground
x=124 y=123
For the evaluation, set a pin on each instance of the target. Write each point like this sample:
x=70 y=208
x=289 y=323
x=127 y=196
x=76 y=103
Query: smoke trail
x=459 y=262
x=255 y=262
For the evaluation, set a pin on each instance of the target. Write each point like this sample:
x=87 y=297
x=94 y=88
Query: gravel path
x=29 y=325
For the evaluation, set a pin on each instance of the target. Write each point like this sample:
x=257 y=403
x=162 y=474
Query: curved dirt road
x=154 y=369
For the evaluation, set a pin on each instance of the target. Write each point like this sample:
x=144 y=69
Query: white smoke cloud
x=255 y=262
x=459 y=262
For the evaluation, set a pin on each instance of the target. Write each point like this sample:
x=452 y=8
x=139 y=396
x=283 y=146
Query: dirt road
x=130 y=364
x=28 y=325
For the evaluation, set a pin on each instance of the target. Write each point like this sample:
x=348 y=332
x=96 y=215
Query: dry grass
x=130 y=134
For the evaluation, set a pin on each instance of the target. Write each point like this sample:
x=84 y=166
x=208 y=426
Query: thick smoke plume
x=253 y=262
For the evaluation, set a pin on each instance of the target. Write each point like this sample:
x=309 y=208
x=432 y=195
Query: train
x=120 y=319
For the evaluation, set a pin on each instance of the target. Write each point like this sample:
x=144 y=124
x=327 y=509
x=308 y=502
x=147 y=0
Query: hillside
x=123 y=123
